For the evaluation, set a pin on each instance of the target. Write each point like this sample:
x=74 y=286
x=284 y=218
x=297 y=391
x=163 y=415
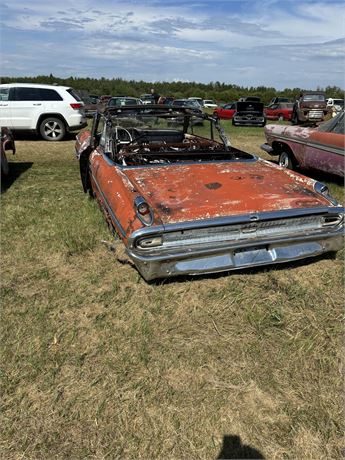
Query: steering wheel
x=119 y=137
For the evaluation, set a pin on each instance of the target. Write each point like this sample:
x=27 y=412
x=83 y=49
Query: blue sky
x=280 y=43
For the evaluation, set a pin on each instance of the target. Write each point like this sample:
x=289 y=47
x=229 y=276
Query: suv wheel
x=52 y=129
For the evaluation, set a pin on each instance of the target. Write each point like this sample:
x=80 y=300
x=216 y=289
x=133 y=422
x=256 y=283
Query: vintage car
x=186 y=204
x=310 y=107
x=279 y=111
x=249 y=113
x=320 y=148
x=278 y=99
x=226 y=111
x=119 y=101
x=6 y=143
x=209 y=104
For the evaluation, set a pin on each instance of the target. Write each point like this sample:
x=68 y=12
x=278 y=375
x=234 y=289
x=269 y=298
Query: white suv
x=46 y=109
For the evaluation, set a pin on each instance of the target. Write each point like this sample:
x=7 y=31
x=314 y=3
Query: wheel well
x=280 y=147
x=49 y=115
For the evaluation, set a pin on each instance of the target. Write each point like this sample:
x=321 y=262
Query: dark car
x=249 y=114
x=189 y=204
x=320 y=148
x=91 y=105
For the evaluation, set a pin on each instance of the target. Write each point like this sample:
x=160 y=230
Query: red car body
x=184 y=204
x=226 y=112
x=279 y=111
x=320 y=148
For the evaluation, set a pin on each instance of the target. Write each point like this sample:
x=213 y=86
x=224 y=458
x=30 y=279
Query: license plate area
x=252 y=255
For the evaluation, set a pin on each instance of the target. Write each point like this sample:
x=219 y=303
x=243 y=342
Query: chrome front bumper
x=235 y=256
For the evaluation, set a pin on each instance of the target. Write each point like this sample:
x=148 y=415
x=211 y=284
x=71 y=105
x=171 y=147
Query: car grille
x=315 y=113
x=217 y=236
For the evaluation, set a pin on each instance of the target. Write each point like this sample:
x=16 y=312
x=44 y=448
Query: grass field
x=96 y=363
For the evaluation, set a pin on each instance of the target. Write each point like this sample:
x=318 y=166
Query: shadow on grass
x=233 y=448
x=33 y=137
x=16 y=170
x=246 y=270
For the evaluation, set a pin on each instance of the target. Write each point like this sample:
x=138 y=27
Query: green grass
x=96 y=363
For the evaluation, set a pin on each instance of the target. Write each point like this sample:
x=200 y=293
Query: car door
x=26 y=106
x=271 y=111
x=325 y=147
x=5 y=107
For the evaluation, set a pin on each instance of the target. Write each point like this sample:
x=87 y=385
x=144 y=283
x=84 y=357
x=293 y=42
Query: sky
x=274 y=43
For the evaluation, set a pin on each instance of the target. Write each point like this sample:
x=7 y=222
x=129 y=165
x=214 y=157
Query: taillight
x=143 y=211
x=76 y=105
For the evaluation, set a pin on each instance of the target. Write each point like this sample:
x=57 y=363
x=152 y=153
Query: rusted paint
x=192 y=199
x=311 y=147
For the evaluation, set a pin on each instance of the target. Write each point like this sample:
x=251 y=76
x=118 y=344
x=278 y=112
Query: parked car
x=147 y=99
x=249 y=114
x=166 y=100
x=249 y=99
x=199 y=100
x=183 y=204
x=209 y=104
x=226 y=111
x=320 y=148
x=91 y=105
x=49 y=110
x=195 y=108
x=278 y=99
x=120 y=101
x=335 y=105
x=6 y=143
x=310 y=107
x=279 y=111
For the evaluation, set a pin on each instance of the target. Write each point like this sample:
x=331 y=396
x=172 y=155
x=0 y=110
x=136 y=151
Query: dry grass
x=96 y=363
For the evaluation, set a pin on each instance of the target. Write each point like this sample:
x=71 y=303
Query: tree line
x=220 y=92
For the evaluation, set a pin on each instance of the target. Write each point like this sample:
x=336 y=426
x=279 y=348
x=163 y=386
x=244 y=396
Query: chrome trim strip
x=324 y=147
x=242 y=218
x=117 y=223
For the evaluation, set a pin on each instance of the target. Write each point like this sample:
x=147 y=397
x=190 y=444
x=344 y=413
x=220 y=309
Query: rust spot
x=163 y=208
x=213 y=185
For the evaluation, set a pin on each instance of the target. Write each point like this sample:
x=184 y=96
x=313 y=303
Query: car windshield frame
x=119 y=124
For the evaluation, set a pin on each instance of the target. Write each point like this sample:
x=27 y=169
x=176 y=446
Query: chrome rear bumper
x=235 y=256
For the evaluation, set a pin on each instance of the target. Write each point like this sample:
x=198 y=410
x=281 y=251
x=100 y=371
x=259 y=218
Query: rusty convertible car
x=320 y=148
x=186 y=204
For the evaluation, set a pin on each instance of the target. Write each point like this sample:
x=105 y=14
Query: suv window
x=74 y=94
x=50 y=95
x=25 y=94
x=4 y=94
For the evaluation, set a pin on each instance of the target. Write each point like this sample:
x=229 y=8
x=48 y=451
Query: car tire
x=280 y=117
x=286 y=160
x=4 y=165
x=52 y=129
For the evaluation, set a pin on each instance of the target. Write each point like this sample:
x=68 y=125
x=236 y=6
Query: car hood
x=187 y=192
x=249 y=106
